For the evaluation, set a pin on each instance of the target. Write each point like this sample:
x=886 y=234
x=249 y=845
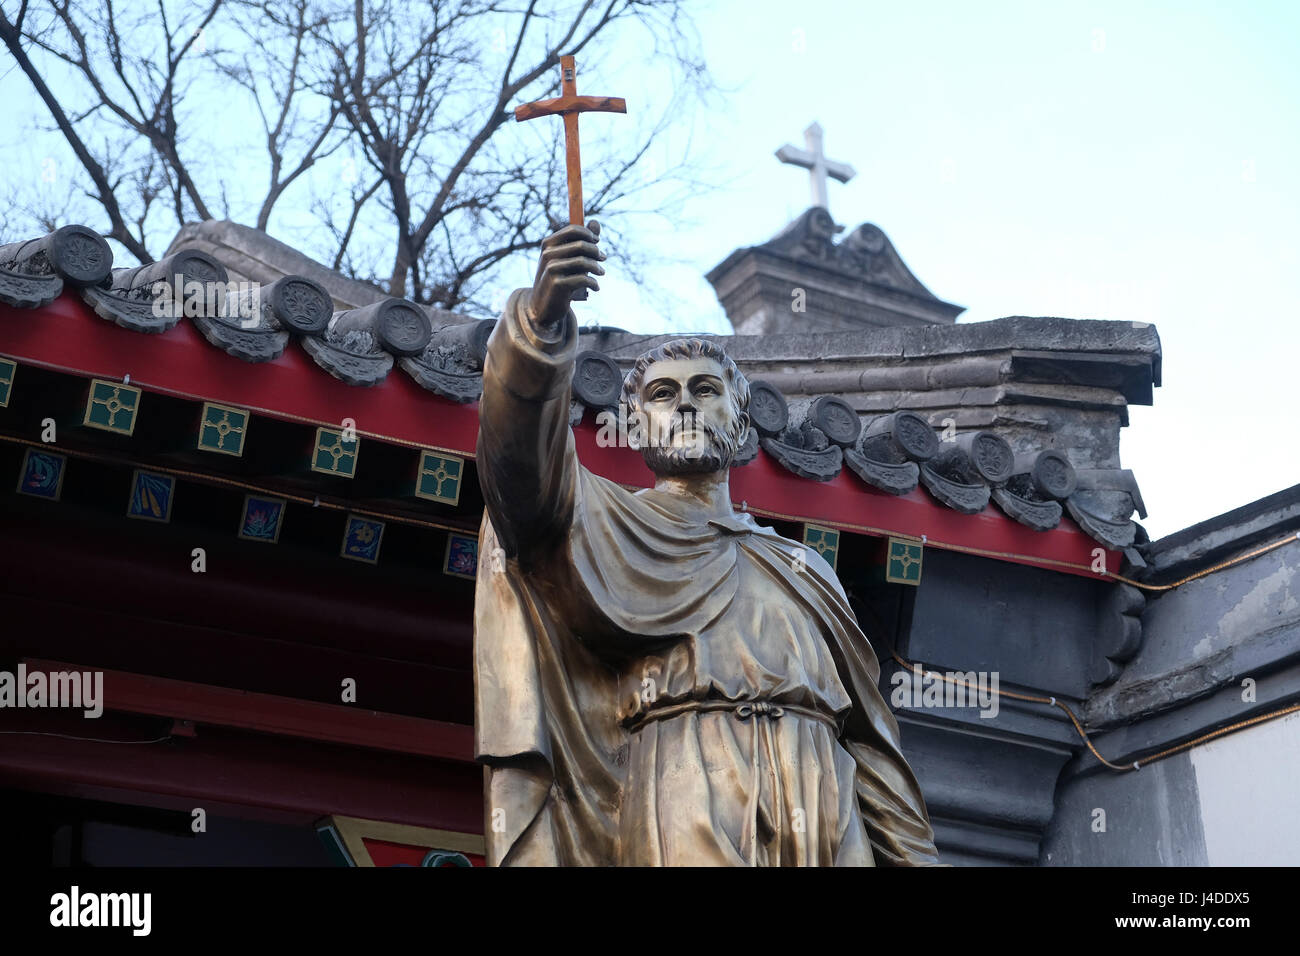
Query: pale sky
x=1125 y=160
x=1131 y=161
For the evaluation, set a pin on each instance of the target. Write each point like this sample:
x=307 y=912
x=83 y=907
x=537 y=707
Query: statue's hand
x=569 y=256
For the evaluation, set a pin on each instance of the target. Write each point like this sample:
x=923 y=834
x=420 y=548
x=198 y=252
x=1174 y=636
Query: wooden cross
x=569 y=104
x=813 y=159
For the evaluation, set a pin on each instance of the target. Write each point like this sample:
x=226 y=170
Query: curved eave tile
x=33 y=271
x=893 y=478
x=1115 y=534
x=1039 y=515
x=355 y=368
x=451 y=363
x=255 y=344
x=27 y=291
x=820 y=465
x=969 y=499
x=131 y=312
x=461 y=387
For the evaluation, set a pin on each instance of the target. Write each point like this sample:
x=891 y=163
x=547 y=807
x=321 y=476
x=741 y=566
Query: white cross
x=813 y=159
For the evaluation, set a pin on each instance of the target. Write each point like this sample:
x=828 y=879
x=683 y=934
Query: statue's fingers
x=572 y=250
x=577 y=280
x=561 y=267
x=594 y=228
x=570 y=233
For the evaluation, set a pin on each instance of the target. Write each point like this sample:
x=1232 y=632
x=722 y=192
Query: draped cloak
x=577 y=579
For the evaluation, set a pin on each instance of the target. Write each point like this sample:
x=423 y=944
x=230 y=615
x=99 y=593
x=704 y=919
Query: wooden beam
x=283 y=716
x=237 y=773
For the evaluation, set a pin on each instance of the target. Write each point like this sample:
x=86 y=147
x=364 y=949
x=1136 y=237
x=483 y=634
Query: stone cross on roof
x=813 y=159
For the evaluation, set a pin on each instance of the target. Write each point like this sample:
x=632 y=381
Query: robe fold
x=617 y=632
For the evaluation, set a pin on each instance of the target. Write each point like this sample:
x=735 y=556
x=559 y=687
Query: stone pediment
x=804 y=280
x=865 y=254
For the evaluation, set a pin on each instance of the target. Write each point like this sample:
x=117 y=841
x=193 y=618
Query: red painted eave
x=67 y=336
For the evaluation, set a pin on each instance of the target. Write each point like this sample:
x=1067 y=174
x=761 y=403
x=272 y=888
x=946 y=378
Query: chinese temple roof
x=997 y=433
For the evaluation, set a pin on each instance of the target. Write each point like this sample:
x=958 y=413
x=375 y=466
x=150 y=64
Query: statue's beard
x=704 y=457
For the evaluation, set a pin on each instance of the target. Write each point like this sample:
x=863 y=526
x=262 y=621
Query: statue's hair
x=737 y=384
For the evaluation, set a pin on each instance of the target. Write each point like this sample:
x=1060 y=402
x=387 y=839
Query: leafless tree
x=377 y=136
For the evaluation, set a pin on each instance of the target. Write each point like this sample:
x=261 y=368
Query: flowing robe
x=619 y=638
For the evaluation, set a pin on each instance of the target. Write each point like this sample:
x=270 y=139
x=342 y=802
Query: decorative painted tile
x=222 y=429
x=334 y=456
x=112 y=406
x=353 y=841
x=825 y=541
x=7 y=370
x=439 y=477
x=461 y=560
x=151 y=496
x=42 y=474
x=904 y=564
x=361 y=539
x=262 y=518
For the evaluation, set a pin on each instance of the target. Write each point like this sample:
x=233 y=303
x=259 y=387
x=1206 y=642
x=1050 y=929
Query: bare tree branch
x=180 y=104
x=9 y=32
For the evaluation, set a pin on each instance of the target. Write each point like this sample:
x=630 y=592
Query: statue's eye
x=662 y=393
x=706 y=390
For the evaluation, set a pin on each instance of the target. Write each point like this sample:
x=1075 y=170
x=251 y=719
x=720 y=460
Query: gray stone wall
x=1216 y=651
x=1151 y=818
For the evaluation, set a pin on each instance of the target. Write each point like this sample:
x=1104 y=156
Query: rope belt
x=743 y=709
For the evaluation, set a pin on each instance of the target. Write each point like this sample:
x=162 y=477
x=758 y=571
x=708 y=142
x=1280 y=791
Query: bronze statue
x=658 y=679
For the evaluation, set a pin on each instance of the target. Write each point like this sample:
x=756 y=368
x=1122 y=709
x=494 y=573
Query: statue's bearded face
x=690 y=419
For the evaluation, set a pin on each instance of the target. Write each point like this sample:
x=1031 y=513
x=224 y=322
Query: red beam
x=239 y=774
x=266 y=713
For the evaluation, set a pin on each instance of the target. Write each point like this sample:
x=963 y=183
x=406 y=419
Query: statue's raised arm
x=526 y=459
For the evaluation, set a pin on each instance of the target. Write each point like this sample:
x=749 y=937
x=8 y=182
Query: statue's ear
x=744 y=426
